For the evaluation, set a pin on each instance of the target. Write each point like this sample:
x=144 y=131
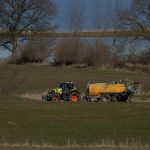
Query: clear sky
x=89 y=6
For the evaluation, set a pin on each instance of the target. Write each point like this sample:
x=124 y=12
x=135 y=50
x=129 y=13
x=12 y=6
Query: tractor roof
x=66 y=83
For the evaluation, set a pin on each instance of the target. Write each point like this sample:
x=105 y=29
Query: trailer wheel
x=129 y=99
x=74 y=97
x=106 y=98
x=116 y=98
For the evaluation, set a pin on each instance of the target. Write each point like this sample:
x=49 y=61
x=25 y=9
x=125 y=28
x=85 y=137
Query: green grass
x=70 y=148
x=82 y=123
x=31 y=124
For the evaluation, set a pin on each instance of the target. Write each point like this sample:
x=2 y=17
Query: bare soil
x=34 y=96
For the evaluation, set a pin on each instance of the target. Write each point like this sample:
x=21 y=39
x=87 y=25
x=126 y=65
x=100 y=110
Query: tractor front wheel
x=56 y=98
x=74 y=97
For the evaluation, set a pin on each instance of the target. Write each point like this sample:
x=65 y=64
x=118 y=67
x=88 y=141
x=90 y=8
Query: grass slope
x=35 y=78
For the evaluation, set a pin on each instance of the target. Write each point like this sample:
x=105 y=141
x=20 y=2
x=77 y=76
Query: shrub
x=34 y=51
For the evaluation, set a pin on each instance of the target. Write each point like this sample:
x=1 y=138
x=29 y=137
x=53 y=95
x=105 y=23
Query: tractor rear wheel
x=74 y=97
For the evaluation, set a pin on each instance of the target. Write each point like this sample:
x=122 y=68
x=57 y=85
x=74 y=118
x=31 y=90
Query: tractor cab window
x=70 y=86
x=62 y=86
x=66 y=86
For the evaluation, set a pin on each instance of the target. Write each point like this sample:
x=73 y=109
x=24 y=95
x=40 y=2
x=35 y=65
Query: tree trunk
x=14 y=48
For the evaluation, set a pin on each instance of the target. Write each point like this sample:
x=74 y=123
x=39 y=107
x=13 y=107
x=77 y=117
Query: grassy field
x=33 y=124
x=112 y=124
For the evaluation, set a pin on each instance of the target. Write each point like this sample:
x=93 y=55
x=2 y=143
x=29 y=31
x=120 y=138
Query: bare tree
x=144 y=57
x=67 y=52
x=138 y=16
x=17 y=16
x=98 y=23
x=75 y=16
x=133 y=50
x=118 y=43
x=100 y=51
x=69 y=48
x=99 y=14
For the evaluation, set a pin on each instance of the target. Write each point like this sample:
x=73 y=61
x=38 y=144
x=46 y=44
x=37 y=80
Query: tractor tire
x=55 y=98
x=128 y=99
x=116 y=98
x=105 y=98
x=74 y=97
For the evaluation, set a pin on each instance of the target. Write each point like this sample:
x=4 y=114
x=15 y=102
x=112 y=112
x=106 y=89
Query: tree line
x=17 y=16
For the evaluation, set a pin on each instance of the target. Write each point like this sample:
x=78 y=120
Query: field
x=28 y=123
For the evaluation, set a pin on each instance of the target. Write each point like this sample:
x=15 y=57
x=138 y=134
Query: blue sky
x=89 y=6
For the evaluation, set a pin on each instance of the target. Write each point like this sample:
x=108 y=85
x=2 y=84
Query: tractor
x=66 y=91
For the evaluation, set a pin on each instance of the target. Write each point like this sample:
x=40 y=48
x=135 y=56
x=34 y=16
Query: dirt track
x=34 y=96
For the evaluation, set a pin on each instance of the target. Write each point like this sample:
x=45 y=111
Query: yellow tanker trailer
x=114 y=91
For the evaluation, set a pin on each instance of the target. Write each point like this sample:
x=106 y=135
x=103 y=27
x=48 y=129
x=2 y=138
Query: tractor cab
x=67 y=87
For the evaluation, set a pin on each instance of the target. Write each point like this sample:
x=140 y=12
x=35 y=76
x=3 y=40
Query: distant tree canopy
x=17 y=16
x=138 y=16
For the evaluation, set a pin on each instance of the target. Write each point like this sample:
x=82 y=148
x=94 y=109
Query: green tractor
x=66 y=91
